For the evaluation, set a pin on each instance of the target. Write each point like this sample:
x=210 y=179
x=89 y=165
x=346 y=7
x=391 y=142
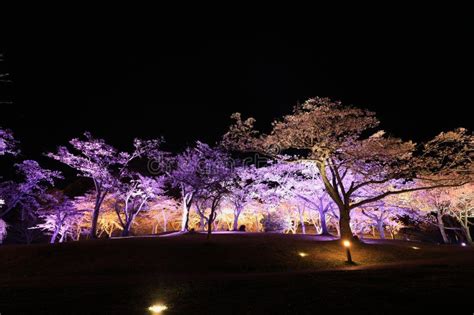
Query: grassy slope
x=239 y=273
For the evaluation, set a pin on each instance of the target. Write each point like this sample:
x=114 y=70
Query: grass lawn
x=234 y=274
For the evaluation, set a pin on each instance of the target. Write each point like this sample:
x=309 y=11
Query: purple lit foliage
x=102 y=163
x=463 y=210
x=216 y=174
x=133 y=196
x=333 y=135
x=8 y=144
x=204 y=175
x=453 y=210
x=298 y=184
x=29 y=194
x=60 y=219
x=242 y=191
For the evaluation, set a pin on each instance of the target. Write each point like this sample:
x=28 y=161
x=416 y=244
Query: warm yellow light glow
x=302 y=254
x=157 y=308
x=414 y=247
x=346 y=243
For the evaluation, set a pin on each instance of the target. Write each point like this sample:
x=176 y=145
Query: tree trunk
x=54 y=236
x=338 y=230
x=381 y=230
x=324 y=226
x=95 y=218
x=467 y=234
x=439 y=217
x=126 y=229
x=185 y=218
x=165 y=220
x=345 y=223
x=202 y=225
x=95 y=214
x=209 y=223
x=303 y=227
x=235 y=225
x=187 y=199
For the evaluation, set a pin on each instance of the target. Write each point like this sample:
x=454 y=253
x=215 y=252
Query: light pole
x=347 y=245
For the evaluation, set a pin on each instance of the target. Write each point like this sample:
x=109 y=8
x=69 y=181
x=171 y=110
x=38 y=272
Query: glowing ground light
x=157 y=308
x=463 y=244
x=414 y=247
x=302 y=254
x=347 y=245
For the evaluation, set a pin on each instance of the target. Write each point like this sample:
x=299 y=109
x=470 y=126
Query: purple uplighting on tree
x=155 y=167
x=333 y=138
x=102 y=163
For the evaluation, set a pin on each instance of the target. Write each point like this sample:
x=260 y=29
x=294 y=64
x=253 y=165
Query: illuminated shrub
x=275 y=222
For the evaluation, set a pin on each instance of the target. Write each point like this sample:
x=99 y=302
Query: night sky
x=184 y=83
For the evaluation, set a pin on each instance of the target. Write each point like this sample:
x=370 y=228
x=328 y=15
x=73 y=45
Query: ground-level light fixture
x=347 y=245
x=415 y=247
x=157 y=308
x=301 y=254
x=463 y=244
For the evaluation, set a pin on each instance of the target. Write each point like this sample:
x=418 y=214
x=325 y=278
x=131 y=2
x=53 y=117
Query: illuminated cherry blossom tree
x=107 y=223
x=242 y=191
x=60 y=219
x=215 y=173
x=299 y=184
x=103 y=164
x=202 y=173
x=133 y=196
x=164 y=213
x=449 y=208
x=94 y=159
x=463 y=209
x=451 y=203
x=334 y=138
x=276 y=221
x=436 y=202
x=386 y=214
x=380 y=217
x=8 y=145
x=28 y=194
x=184 y=177
x=26 y=197
x=464 y=212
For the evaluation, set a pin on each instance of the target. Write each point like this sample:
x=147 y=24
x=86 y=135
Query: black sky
x=183 y=84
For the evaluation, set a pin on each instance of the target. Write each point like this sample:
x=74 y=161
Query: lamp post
x=347 y=245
